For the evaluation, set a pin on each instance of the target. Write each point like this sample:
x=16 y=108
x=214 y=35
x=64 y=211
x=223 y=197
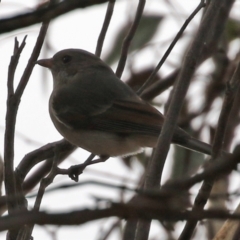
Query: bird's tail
x=198 y=146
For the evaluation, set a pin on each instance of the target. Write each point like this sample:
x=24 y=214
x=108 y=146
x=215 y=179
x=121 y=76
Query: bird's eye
x=66 y=59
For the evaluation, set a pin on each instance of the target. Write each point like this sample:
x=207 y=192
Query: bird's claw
x=75 y=171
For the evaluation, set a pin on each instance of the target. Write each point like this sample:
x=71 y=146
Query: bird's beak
x=48 y=62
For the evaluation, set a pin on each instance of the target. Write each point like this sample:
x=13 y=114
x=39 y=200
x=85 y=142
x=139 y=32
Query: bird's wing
x=129 y=117
x=118 y=116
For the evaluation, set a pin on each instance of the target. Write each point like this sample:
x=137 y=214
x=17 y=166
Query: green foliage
x=145 y=32
x=232 y=29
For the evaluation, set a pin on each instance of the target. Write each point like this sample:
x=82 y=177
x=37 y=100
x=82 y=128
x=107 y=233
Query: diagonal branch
x=173 y=43
x=129 y=37
x=105 y=26
x=44 y=14
x=192 y=58
x=205 y=190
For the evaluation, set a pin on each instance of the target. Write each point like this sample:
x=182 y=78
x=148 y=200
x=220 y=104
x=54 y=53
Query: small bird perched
x=93 y=109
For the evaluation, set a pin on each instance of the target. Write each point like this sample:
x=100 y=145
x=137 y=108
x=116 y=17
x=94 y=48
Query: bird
x=95 y=110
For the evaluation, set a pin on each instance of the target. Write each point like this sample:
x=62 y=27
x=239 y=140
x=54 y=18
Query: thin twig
x=192 y=58
x=31 y=62
x=160 y=86
x=42 y=153
x=11 y=185
x=129 y=37
x=14 y=101
x=45 y=182
x=218 y=169
x=156 y=165
x=13 y=64
x=28 y=70
x=169 y=189
x=205 y=190
x=44 y=169
x=12 y=105
x=11 y=114
x=105 y=26
x=173 y=43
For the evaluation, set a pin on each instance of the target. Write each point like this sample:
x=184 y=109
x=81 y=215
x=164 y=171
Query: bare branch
x=12 y=187
x=160 y=86
x=44 y=14
x=126 y=211
x=31 y=62
x=205 y=190
x=45 y=152
x=105 y=26
x=173 y=43
x=156 y=165
x=129 y=37
x=12 y=106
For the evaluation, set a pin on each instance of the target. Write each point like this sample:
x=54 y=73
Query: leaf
x=232 y=29
x=144 y=33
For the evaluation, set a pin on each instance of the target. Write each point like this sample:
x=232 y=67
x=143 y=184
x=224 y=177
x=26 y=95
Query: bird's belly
x=102 y=143
x=105 y=143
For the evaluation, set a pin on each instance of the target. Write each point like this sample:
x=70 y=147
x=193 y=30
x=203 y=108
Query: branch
x=44 y=14
x=125 y=211
x=155 y=166
x=45 y=182
x=217 y=169
x=159 y=86
x=205 y=190
x=12 y=106
x=45 y=152
x=13 y=188
x=173 y=43
x=105 y=26
x=129 y=37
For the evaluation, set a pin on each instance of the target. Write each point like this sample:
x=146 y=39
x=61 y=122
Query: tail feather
x=198 y=146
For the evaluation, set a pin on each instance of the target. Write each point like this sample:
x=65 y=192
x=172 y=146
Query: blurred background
x=80 y=29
